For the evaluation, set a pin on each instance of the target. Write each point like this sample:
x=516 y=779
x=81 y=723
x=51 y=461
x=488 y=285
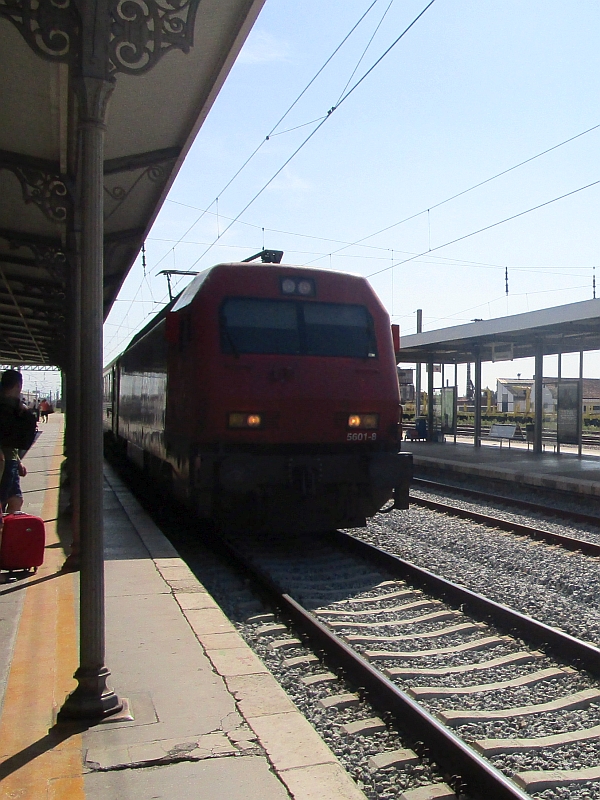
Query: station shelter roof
x=168 y=61
x=562 y=329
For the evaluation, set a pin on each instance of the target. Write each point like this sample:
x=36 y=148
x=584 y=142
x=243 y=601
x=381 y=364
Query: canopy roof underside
x=164 y=88
x=562 y=329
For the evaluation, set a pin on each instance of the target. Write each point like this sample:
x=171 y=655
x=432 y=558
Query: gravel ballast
x=555 y=586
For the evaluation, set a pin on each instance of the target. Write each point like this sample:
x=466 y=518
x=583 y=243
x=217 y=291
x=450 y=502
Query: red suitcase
x=23 y=541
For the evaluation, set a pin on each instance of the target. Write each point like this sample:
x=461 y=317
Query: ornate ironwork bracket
x=50 y=27
x=53 y=259
x=47 y=254
x=157 y=173
x=142 y=31
x=49 y=193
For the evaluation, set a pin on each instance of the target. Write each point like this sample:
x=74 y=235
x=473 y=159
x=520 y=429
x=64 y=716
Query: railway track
x=495 y=520
x=461 y=671
x=447 y=663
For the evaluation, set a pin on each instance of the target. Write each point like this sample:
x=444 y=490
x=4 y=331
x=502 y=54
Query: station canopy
x=169 y=61
x=563 y=329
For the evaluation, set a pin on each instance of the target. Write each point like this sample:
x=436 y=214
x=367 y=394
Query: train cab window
x=252 y=325
x=339 y=330
x=259 y=326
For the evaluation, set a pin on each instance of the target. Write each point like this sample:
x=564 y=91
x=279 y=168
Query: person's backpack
x=17 y=426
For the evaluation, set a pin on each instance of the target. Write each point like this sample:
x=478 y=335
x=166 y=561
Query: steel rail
x=571 y=650
x=491 y=521
x=527 y=505
x=447 y=749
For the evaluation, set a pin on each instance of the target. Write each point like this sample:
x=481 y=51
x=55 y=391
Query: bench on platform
x=503 y=432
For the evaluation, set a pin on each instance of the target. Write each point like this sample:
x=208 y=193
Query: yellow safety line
x=36 y=760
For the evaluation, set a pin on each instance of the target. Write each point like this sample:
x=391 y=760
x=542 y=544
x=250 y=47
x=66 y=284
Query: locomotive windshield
x=290 y=327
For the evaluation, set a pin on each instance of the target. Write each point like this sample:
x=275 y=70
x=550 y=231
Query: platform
x=566 y=471
x=209 y=720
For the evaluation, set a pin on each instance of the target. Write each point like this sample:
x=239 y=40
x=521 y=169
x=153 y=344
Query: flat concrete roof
x=562 y=329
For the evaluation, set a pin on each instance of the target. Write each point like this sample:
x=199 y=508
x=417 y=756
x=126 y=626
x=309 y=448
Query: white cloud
x=262 y=48
x=289 y=182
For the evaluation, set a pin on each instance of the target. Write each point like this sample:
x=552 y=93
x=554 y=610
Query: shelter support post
x=418 y=368
x=73 y=432
x=442 y=420
x=92 y=699
x=455 y=400
x=559 y=379
x=580 y=407
x=430 y=401
x=477 y=400
x=538 y=400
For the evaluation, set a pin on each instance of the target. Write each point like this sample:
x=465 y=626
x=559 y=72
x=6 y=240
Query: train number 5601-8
x=361 y=437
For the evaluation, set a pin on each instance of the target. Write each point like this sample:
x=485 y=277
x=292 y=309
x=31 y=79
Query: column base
x=92 y=699
x=71 y=563
x=73 y=560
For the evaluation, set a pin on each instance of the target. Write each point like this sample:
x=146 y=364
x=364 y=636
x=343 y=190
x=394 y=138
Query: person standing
x=44 y=409
x=17 y=432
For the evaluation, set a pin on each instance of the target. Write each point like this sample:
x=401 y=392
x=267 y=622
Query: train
x=265 y=396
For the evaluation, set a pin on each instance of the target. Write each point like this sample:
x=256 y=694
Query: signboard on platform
x=444 y=404
x=568 y=411
x=448 y=407
x=502 y=351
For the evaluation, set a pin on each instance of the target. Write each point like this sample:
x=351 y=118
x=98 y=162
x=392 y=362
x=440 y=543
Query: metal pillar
x=72 y=431
x=455 y=400
x=442 y=421
x=430 y=401
x=580 y=408
x=477 y=400
x=538 y=400
x=559 y=377
x=418 y=368
x=92 y=699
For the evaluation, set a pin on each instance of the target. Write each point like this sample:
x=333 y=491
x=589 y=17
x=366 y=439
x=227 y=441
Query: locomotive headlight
x=364 y=421
x=305 y=288
x=240 y=419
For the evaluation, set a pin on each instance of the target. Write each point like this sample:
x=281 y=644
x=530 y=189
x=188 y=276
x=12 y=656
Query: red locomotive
x=266 y=395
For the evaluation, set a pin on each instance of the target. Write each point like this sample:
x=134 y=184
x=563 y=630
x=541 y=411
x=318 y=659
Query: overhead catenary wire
x=280 y=120
x=364 y=52
x=320 y=125
x=487 y=227
x=359 y=242
x=481 y=183
x=439 y=261
x=466 y=191
x=457 y=316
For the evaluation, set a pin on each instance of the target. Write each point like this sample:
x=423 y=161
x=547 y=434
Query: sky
x=473 y=89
